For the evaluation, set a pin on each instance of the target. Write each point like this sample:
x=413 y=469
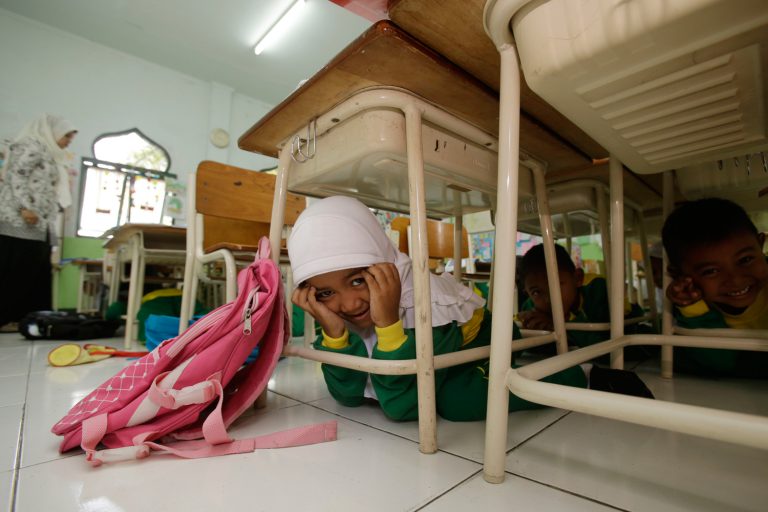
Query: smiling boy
x=719 y=276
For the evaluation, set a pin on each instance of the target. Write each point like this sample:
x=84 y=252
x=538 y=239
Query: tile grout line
x=19 y=444
x=453 y=487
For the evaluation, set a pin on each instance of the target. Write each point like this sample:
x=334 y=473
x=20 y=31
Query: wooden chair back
x=236 y=205
x=439 y=237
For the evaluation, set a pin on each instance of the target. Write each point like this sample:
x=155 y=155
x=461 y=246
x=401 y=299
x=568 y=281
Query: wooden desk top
x=385 y=56
x=454 y=28
x=172 y=236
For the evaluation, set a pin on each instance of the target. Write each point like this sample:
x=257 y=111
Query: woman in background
x=33 y=189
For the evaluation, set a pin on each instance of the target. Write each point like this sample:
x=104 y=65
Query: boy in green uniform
x=359 y=288
x=585 y=297
x=719 y=277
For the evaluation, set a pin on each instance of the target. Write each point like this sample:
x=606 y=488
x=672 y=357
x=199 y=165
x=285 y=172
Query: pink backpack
x=192 y=387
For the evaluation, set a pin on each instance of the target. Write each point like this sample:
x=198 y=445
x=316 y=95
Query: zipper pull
x=251 y=303
x=247 y=326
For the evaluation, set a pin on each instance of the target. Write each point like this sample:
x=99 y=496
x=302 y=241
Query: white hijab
x=340 y=232
x=47 y=130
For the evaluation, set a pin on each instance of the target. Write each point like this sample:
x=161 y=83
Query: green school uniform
x=594 y=308
x=720 y=362
x=461 y=391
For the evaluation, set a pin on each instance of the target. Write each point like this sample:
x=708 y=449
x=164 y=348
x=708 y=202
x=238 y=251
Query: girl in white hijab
x=359 y=288
x=33 y=188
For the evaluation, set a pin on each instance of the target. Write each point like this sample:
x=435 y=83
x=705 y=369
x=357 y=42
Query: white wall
x=43 y=69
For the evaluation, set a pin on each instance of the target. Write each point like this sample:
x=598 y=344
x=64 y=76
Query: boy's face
x=346 y=294
x=729 y=273
x=537 y=288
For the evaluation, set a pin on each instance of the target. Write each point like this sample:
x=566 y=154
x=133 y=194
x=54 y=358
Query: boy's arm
x=397 y=394
x=699 y=316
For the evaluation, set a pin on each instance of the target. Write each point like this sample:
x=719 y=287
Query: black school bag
x=66 y=325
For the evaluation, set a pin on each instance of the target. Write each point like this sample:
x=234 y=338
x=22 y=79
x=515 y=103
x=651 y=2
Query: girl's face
x=345 y=293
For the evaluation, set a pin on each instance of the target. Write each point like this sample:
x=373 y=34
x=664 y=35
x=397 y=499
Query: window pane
x=131 y=149
x=101 y=201
x=148 y=196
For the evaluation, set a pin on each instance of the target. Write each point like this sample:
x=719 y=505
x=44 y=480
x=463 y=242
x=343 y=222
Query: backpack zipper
x=250 y=305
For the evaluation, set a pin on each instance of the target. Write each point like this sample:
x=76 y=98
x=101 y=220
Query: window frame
x=130 y=173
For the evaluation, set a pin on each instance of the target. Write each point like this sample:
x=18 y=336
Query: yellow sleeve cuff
x=336 y=343
x=392 y=337
x=696 y=309
x=470 y=329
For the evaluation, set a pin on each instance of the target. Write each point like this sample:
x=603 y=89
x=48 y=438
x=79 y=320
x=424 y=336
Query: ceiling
x=210 y=40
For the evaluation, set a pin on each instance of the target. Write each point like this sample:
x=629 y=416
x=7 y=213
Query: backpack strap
x=308 y=434
x=300 y=436
x=265 y=249
x=94 y=429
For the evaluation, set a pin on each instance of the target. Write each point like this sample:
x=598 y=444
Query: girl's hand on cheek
x=331 y=323
x=383 y=282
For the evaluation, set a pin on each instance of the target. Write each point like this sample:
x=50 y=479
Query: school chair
x=626 y=110
x=440 y=236
x=229 y=210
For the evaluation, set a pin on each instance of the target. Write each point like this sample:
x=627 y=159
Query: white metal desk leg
x=504 y=266
x=134 y=290
x=617 y=257
x=278 y=204
x=112 y=259
x=190 y=264
x=667 y=351
x=309 y=330
x=553 y=274
x=650 y=286
x=278 y=207
x=602 y=213
x=458 y=239
x=425 y=374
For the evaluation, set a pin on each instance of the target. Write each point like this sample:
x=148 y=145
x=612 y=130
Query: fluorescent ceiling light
x=278 y=27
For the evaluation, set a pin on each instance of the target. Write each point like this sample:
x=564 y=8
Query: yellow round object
x=64 y=355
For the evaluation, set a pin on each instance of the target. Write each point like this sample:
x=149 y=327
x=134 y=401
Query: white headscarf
x=340 y=232
x=47 y=130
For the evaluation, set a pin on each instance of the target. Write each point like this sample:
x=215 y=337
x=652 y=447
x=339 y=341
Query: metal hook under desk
x=297 y=154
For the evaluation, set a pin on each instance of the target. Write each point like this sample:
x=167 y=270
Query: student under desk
x=383 y=72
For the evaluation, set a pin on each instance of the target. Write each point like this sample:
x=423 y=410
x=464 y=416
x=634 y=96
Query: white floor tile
x=6 y=484
x=10 y=421
x=558 y=460
x=514 y=493
x=15 y=360
x=465 y=439
x=640 y=468
x=12 y=339
x=299 y=379
x=13 y=389
x=364 y=470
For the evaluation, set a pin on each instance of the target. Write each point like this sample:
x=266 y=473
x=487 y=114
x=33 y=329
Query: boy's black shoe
x=618 y=381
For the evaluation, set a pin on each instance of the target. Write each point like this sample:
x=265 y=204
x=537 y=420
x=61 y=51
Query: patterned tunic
x=30 y=182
